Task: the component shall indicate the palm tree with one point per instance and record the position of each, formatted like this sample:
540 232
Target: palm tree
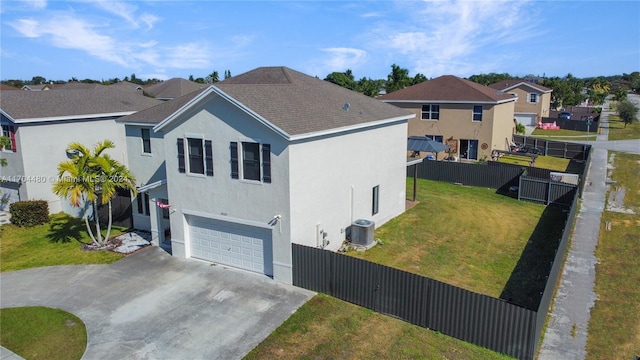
92 177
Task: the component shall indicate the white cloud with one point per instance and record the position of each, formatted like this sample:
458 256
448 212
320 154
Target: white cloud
149 20
72 33
188 56
120 9
446 37
342 58
35 4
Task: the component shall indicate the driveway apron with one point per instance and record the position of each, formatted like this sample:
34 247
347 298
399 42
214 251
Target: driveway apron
150 305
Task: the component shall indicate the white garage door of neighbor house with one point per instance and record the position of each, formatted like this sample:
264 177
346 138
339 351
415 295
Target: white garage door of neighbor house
227 243
526 119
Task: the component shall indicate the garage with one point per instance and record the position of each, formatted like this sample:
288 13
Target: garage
228 243
526 119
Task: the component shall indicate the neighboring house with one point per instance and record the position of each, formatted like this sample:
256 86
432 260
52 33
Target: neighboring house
146 158
471 118
42 124
41 87
172 89
269 158
533 103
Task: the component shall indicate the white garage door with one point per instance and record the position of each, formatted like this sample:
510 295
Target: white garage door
242 246
526 119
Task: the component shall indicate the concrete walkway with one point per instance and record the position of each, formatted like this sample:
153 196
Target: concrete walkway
566 334
151 305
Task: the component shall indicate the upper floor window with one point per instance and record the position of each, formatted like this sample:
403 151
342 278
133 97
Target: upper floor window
251 162
477 113
533 98
146 140
200 156
8 131
430 112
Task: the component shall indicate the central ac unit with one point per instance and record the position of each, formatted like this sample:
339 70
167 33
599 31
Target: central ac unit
362 232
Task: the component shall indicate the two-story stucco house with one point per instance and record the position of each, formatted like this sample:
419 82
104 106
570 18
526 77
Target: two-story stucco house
471 118
269 158
42 124
533 103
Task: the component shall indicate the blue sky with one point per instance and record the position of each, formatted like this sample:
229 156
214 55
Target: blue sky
164 39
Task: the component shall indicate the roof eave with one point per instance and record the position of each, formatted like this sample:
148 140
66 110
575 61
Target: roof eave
219 92
483 102
339 130
71 117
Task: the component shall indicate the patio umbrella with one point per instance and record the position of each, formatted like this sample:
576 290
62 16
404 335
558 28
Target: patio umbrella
423 143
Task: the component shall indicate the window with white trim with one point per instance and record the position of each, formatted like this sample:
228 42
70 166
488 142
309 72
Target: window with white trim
375 201
143 203
250 161
430 112
198 157
145 135
533 98
477 113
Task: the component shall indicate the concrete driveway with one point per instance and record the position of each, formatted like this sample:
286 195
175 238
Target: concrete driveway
153 306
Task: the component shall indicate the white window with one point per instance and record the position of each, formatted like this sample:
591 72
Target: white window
145 135
7 130
533 98
438 138
430 112
477 113
198 158
251 162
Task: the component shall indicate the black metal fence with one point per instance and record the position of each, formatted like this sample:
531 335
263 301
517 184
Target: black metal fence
479 319
120 209
561 149
577 125
546 191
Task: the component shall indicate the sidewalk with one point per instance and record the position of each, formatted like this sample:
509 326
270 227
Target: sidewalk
566 333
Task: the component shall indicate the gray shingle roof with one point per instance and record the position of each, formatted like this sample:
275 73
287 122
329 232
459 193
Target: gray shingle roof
172 88
69 103
159 112
301 104
448 88
512 83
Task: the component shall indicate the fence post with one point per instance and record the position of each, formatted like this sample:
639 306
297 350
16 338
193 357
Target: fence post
546 148
519 186
548 192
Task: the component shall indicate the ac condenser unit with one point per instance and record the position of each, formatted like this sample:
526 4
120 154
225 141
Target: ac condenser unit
362 232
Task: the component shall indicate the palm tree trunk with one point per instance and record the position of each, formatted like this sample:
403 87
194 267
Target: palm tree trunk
97 218
86 222
110 221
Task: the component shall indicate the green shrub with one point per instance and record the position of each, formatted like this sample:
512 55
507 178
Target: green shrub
29 213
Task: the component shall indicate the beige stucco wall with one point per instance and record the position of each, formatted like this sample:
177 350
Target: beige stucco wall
456 122
541 108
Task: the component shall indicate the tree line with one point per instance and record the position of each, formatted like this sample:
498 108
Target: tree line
567 90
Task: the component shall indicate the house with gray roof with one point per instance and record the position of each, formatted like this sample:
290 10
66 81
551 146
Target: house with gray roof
533 100
42 124
265 159
172 88
471 118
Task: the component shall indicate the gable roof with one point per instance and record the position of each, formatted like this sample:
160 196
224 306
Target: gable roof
448 89
506 85
103 101
297 105
172 88
159 112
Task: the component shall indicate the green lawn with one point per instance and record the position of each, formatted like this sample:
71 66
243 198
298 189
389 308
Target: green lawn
473 238
617 130
42 333
56 243
563 134
465 236
543 162
328 328
614 326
